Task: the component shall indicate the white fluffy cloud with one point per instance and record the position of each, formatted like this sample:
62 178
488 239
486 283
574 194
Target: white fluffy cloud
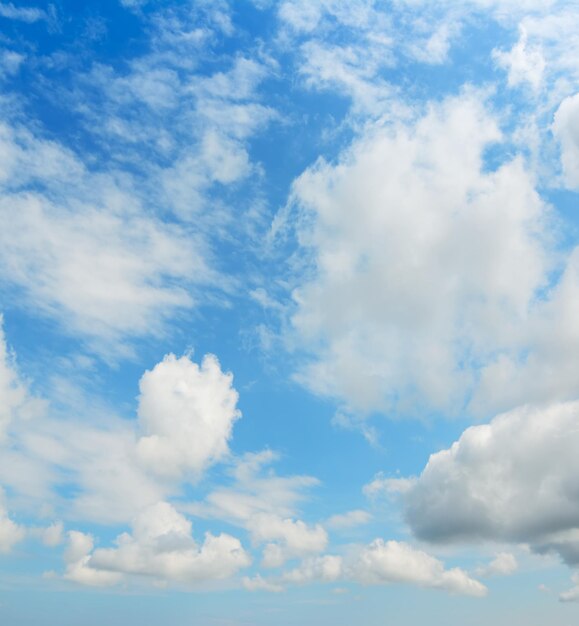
77 556
397 562
426 264
118 467
161 546
523 63
186 413
326 568
513 479
266 506
383 563
285 538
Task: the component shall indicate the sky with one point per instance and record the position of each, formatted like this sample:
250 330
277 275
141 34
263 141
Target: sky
289 294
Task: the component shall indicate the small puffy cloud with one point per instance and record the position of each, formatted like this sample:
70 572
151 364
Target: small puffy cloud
326 568
385 562
504 564
348 520
161 546
566 129
186 413
381 485
285 538
524 64
77 556
500 482
396 562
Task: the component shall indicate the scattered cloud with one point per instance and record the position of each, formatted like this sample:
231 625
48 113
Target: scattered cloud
397 562
425 265
161 546
10 532
498 482
24 14
186 413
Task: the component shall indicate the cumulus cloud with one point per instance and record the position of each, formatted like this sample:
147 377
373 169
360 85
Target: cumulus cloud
266 505
425 263
397 562
513 480
186 413
161 546
285 538
326 568
77 556
382 563
117 467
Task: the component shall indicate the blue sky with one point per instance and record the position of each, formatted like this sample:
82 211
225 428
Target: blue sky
289 300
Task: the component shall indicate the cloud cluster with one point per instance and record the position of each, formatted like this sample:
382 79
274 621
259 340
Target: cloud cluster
79 246
118 467
161 546
397 562
511 480
426 269
378 563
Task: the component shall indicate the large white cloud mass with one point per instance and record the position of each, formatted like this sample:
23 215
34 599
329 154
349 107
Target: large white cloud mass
514 480
425 264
